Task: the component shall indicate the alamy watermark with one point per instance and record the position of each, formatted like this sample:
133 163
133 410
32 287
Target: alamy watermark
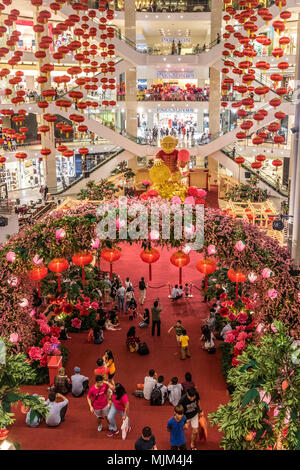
152 221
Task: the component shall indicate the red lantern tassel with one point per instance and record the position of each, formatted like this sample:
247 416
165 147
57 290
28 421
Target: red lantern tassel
205 283
111 272
59 283
180 276
236 290
83 276
150 272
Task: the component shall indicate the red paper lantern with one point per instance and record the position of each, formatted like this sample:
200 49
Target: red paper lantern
58 266
111 255
150 255
237 277
180 259
82 259
206 266
37 274
239 160
277 163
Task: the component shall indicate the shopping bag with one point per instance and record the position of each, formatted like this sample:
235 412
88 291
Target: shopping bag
202 428
124 428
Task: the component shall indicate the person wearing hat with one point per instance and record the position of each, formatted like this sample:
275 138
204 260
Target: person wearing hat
80 383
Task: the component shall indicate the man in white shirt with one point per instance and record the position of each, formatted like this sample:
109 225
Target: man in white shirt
121 295
149 383
57 410
175 295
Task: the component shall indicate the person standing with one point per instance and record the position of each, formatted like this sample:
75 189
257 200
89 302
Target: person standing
176 426
155 312
46 190
121 296
190 403
179 46
175 391
98 399
178 329
109 362
107 289
120 405
184 343
173 48
143 290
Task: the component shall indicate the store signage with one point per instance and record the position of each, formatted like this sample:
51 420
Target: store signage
173 110
177 75
176 40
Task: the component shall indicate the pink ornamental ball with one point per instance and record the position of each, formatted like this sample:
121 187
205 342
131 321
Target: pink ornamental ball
11 256
176 200
60 233
189 200
211 250
252 277
266 273
272 293
240 246
24 303
202 193
95 244
37 260
14 338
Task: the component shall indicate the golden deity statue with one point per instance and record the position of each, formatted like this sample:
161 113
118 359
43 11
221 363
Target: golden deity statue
165 173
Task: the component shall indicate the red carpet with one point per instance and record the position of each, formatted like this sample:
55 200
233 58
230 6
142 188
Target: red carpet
79 431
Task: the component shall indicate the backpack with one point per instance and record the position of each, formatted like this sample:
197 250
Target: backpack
156 396
143 349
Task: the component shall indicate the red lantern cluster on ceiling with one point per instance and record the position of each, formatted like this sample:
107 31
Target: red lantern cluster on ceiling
93 57
239 56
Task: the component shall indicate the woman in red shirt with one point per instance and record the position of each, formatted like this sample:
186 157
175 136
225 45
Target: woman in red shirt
120 405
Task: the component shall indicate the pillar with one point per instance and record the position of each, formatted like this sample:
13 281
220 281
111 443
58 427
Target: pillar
131 76
48 140
214 74
294 198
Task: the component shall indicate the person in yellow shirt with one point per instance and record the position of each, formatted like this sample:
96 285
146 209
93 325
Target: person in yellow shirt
184 343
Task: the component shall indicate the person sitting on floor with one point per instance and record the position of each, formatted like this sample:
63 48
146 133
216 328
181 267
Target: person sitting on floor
132 341
175 295
149 383
98 335
80 383
62 383
175 391
146 319
57 411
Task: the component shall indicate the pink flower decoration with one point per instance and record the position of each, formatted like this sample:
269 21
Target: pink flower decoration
266 273
230 337
211 250
252 277
14 337
60 233
37 260
193 191
232 316
54 340
76 323
24 303
189 200
242 317
176 200
186 249
44 328
10 256
264 396
95 244
272 293
240 246
47 347
202 193
146 183
242 336
94 305
35 353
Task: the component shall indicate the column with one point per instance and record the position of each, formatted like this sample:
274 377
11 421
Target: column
294 198
130 76
47 140
214 74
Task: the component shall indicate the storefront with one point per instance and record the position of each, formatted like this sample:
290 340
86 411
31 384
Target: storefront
23 174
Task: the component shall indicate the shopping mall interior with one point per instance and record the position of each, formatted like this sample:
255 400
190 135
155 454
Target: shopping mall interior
192 102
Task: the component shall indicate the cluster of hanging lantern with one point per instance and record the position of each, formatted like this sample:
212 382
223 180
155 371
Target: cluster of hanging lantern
240 65
93 57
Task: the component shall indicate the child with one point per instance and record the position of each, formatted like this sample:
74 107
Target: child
179 329
176 426
175 391
186 290
184 342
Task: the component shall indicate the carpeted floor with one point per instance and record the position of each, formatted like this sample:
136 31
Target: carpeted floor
79 431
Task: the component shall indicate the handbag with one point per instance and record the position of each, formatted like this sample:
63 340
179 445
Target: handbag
125 428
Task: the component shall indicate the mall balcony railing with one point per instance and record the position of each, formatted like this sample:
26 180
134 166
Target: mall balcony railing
162 6
273 183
